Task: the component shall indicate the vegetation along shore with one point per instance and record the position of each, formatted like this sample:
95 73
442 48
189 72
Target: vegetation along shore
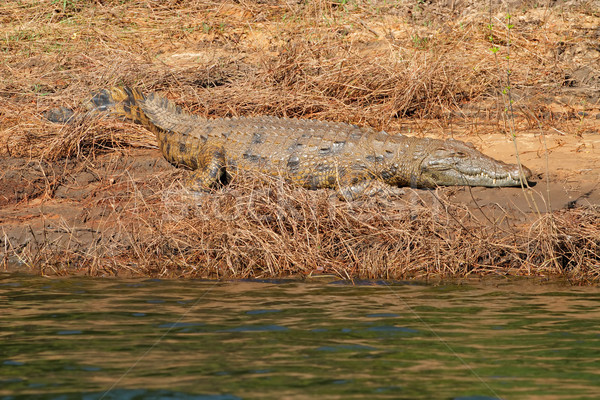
93 195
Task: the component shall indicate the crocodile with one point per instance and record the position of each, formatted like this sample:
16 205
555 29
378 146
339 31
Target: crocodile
309 153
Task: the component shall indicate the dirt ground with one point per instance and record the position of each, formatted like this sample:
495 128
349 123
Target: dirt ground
75 198
74 204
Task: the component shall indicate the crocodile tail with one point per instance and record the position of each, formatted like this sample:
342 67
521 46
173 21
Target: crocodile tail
121 101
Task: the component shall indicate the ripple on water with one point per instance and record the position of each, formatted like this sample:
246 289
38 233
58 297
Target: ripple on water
200 340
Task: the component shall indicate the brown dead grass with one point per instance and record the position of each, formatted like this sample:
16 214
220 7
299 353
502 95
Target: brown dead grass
259 227
387 65
373 63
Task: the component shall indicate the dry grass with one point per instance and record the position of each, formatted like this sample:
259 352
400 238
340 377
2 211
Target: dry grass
260 228
370 63
375 63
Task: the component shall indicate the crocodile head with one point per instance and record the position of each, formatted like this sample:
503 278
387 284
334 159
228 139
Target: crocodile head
455 163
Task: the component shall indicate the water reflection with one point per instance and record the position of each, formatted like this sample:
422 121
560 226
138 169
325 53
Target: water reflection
74 338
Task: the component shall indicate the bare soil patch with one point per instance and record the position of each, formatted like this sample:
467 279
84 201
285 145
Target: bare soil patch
97 198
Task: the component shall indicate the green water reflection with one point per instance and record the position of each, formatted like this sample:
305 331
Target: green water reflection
84 338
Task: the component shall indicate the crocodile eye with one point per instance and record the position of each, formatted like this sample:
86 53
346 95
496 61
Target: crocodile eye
459 154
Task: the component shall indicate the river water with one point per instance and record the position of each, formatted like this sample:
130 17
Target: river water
149 339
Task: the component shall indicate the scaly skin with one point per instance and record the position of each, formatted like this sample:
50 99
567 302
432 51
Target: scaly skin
312 154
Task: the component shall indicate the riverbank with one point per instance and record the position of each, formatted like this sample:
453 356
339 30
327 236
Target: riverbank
126 213
97 198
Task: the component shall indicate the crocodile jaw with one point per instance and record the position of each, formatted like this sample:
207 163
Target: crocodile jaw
459 164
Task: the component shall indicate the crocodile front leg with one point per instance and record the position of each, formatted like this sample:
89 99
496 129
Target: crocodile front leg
210 169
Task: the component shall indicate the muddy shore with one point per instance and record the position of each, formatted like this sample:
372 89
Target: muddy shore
82 214
97 198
